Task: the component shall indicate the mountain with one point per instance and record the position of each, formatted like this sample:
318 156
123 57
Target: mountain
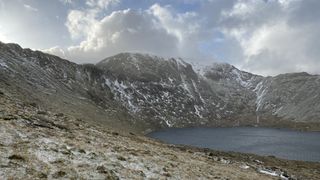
61 120
141 92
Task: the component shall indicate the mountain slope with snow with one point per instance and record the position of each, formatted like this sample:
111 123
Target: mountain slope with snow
141 92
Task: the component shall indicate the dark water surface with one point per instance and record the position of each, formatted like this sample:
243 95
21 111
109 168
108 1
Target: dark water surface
281 143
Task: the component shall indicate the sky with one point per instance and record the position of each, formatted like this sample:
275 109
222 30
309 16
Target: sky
266 37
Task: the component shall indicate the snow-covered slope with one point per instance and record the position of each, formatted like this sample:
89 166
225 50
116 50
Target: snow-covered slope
144 92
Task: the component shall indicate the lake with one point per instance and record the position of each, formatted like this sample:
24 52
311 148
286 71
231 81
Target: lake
282 143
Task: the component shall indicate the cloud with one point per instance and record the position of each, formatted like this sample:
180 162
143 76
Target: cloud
185 27
81 23
67 1
102 4
157 30
266 37
3 38
30 8
275 36
125 30
56 51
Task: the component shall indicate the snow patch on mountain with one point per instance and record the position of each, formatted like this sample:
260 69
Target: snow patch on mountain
199 68
240 79
181 62
261 91
197 111
120 90
3 64
198 92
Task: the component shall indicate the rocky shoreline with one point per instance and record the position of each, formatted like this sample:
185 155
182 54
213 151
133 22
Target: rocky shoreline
280 167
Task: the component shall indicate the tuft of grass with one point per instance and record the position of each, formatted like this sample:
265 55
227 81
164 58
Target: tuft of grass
121 158
16 157
59 174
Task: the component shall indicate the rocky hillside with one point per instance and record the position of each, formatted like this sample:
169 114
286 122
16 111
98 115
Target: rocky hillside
50 82
141 92
40 144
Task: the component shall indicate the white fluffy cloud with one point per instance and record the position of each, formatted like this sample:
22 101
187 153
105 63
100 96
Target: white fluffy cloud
81 23
157 30
125 30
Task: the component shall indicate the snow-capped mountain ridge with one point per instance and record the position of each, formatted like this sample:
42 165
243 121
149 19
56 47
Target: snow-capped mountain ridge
151 92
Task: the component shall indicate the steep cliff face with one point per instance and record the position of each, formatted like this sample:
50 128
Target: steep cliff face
143 92
290 96
174 95
165 92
